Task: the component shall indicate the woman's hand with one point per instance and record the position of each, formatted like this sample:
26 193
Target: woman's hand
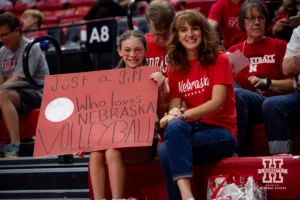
257 82
279 25
158 77
166 119
79 154
177 113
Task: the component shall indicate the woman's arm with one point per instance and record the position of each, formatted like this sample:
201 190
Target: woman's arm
282 86
288 66
175 103
219 95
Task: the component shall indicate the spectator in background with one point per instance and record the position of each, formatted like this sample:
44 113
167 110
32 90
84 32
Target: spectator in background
281 27
224 14
18 100
262 83
160 14
31 21
286 113
5 4
292 51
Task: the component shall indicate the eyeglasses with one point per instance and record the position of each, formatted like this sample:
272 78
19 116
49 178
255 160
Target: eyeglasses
161 35
5 35
253 19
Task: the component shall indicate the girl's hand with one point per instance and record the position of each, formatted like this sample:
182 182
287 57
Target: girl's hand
158 77
79 154
166 119
257 82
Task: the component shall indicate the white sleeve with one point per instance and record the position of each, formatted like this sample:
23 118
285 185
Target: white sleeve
294 45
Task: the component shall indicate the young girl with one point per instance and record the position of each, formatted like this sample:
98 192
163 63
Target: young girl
132 49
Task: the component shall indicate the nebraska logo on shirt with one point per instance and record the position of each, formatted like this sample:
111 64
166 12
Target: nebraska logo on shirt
233 22
195 87
8 66
159 61
254 61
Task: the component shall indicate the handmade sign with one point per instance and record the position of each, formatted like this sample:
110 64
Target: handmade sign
96 111
238 61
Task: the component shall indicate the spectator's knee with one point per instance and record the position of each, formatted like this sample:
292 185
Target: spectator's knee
112 154
271 105
174 127
238 92
3 97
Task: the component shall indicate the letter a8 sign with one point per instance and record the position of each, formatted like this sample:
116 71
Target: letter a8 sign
101 36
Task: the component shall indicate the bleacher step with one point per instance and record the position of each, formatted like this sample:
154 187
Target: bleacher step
29 178
41 194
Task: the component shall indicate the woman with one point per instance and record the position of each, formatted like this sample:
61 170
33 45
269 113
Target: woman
281 27
262 80
199 75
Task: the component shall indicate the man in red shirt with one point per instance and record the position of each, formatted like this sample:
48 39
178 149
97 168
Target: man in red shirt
160 15
224 14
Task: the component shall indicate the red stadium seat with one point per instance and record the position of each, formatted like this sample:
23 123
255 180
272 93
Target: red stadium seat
19 9
51 20
71 19
146 181
27 126
49 6
258 141
82 10
78 3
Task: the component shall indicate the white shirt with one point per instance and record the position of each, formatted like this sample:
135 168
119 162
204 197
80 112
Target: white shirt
294 45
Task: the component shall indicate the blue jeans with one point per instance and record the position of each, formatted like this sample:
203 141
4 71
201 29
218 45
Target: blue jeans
277 112
191 143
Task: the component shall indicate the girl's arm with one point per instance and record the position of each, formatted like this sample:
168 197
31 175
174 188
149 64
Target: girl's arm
163 99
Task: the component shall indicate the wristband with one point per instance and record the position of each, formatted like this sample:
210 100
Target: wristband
295 83
182 112
267 83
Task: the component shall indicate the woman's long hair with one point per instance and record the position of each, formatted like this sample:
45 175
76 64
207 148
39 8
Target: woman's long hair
208 49
125 36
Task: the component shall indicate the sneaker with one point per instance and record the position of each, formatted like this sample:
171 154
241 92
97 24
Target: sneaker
11 150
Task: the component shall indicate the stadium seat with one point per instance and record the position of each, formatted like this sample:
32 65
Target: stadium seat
49 6
146 181
78 3
51 21
27 124
258 141
19 9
